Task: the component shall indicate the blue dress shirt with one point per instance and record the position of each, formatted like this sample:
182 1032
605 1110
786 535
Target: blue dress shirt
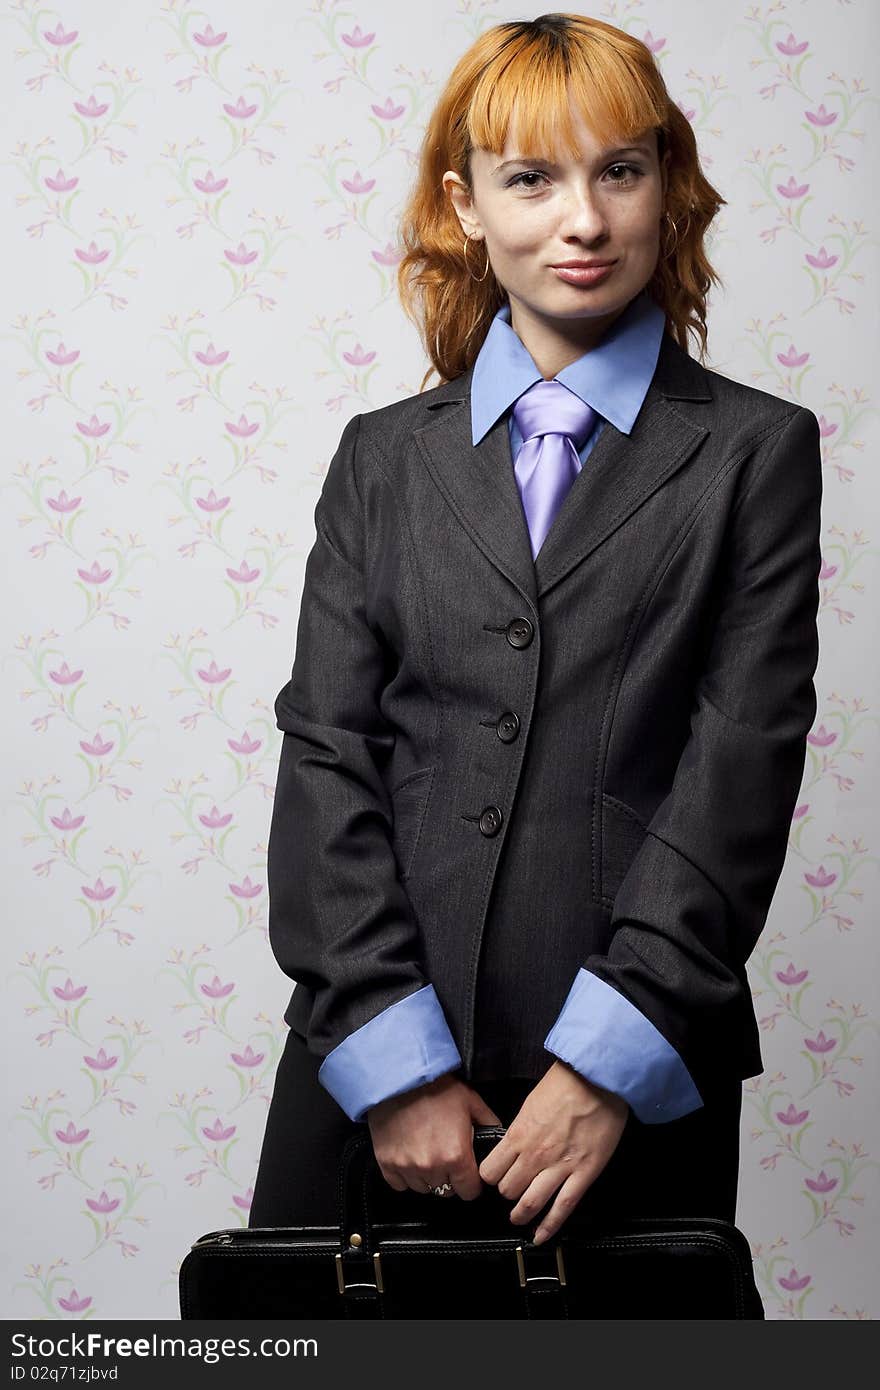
598 1031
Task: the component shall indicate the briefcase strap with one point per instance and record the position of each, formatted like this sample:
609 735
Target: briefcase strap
541 1273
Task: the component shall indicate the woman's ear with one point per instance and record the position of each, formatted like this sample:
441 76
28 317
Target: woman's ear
458 195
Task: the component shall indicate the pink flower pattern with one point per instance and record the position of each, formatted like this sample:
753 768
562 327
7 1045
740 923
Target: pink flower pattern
174 448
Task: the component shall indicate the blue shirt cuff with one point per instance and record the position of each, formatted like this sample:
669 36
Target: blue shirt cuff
406 1045
609 1041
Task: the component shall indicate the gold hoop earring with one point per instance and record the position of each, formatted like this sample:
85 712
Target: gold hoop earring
666 214
671 251
479 278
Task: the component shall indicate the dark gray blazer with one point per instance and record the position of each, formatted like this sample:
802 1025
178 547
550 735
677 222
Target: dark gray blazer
495 771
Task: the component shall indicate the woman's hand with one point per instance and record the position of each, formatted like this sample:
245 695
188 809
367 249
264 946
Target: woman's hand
563 1136
425 1136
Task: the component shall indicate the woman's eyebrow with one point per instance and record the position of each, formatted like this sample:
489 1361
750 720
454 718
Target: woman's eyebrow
604 154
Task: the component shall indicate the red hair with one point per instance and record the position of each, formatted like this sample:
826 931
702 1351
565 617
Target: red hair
539 67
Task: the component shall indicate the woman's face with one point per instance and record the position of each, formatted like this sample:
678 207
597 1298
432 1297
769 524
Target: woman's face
532 215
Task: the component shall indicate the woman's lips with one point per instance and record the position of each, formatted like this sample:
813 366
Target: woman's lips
576 276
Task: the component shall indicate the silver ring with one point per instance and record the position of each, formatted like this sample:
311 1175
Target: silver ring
443 1190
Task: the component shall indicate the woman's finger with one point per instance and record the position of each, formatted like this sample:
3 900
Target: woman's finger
567 1198
394 1180
524 1169
498 1160
537 1194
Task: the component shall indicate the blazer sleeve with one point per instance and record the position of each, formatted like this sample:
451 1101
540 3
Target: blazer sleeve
690 909
340 921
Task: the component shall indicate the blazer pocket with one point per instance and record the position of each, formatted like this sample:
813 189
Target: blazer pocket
623 832
409 800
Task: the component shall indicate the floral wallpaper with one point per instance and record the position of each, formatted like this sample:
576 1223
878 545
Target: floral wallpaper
200 225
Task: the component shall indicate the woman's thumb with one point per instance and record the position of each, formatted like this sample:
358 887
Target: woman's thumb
482 1113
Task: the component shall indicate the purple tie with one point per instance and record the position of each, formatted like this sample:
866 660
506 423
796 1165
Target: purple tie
554 424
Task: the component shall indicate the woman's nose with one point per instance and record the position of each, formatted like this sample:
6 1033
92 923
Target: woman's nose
583 215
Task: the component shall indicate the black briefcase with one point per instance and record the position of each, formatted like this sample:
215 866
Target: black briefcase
447 1258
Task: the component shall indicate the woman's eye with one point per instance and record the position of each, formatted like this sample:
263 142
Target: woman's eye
529 174
631 171
629 168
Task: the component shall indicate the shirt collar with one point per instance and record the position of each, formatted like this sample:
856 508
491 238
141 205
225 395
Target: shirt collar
613 377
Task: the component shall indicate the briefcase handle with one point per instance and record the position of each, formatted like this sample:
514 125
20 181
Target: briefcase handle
359 1174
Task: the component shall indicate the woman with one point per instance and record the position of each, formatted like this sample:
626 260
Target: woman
546 722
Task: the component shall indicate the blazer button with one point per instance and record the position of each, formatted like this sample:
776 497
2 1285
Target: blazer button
490 820
507 727
520 632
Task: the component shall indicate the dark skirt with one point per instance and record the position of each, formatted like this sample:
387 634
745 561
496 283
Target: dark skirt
685 1167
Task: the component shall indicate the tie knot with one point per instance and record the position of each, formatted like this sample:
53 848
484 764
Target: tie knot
548 407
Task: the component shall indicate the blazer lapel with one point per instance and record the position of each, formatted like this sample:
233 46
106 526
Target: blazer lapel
620 473
478 482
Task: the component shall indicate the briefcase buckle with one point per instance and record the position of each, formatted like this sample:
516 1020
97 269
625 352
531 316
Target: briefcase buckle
524 1279
378 1287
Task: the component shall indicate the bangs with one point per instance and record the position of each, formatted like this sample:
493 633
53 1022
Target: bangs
532 91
